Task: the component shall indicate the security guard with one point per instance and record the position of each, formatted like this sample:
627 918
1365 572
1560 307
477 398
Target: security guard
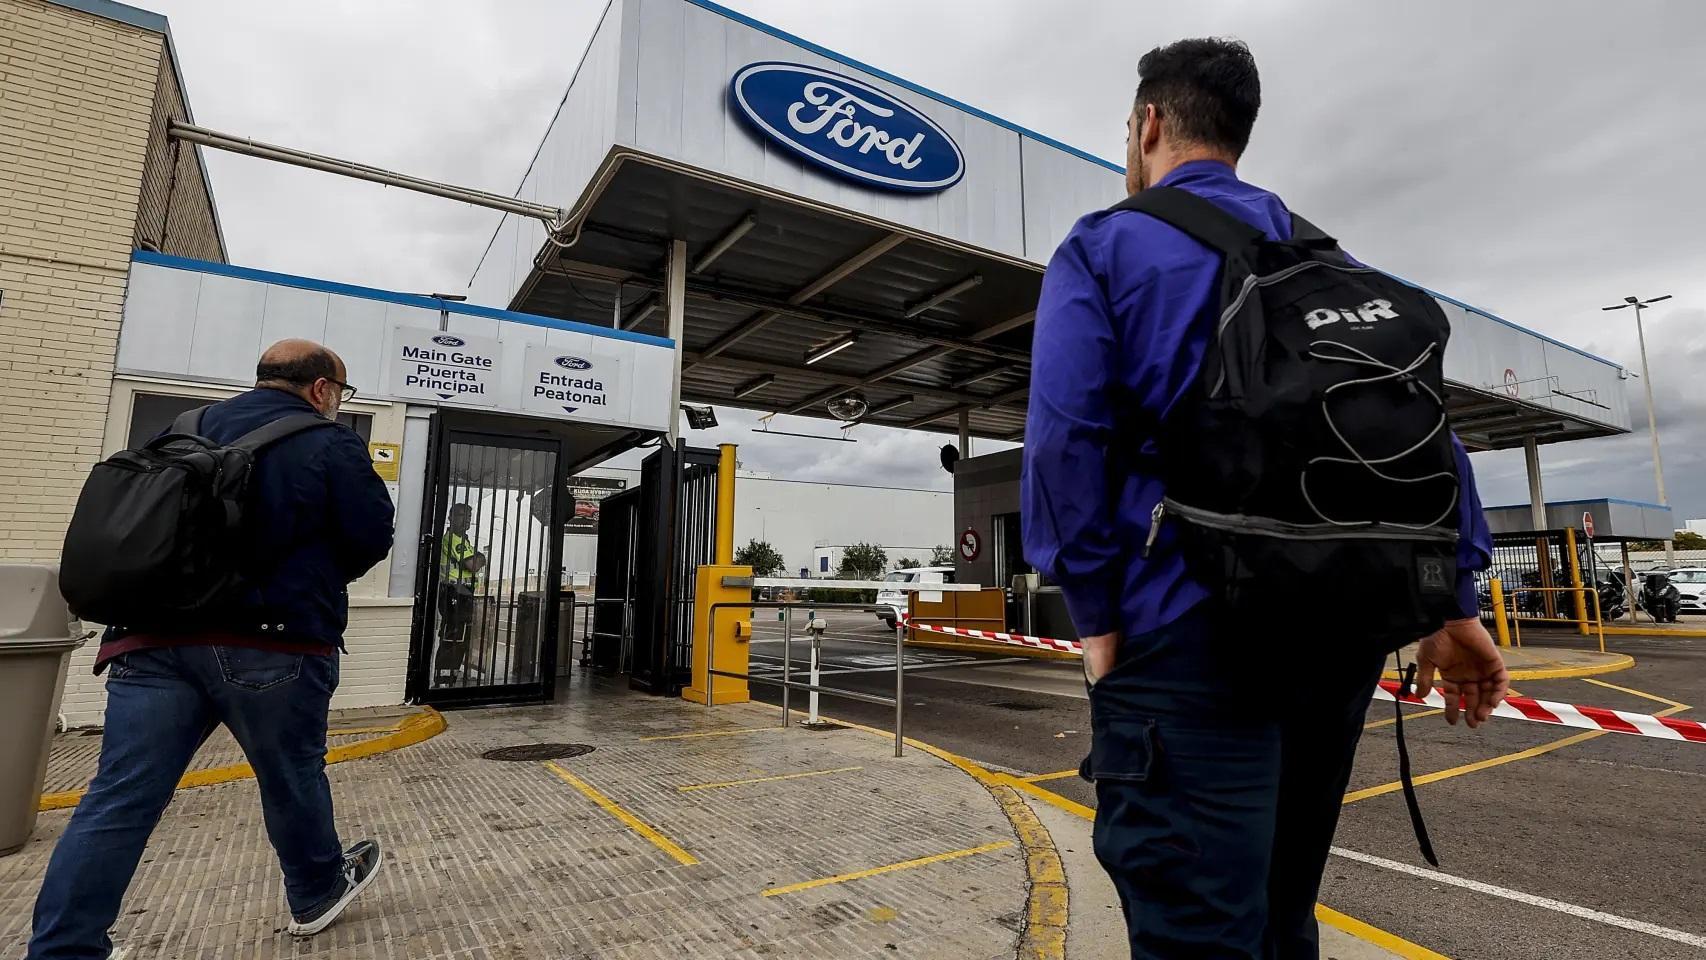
459 566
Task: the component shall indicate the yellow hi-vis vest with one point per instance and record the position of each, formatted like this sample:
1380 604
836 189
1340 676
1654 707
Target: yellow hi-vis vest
452 551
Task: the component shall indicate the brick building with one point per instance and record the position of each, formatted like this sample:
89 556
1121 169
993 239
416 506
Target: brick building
87 175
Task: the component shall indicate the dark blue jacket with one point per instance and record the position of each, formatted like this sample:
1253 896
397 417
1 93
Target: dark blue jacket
1122 324
318 518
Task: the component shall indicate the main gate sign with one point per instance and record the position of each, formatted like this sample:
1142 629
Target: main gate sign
446 367
847 127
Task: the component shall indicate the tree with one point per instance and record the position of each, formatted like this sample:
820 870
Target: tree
1684 540
942 555
863 561
761 557
908 563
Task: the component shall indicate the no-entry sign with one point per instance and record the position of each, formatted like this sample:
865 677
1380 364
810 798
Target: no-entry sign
1587 524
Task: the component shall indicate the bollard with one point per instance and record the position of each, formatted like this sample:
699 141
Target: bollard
786 615
816 628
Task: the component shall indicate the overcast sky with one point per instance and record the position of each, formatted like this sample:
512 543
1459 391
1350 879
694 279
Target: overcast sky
1538 159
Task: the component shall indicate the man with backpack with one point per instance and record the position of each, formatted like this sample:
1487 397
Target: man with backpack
1239 473
219 554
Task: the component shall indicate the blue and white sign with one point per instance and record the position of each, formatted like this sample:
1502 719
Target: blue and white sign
847 127
443 367
580 383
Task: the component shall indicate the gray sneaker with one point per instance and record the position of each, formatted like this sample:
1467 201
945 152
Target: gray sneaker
361 865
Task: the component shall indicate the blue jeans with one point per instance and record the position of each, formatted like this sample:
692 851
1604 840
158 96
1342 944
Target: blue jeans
1220 763
161 706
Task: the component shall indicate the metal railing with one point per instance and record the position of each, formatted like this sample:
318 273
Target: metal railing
1507 603
787 683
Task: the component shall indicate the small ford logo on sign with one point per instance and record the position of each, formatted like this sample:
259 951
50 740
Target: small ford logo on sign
446 340
847 127
574 363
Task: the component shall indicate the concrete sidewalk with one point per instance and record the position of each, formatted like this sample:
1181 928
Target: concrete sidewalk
684 832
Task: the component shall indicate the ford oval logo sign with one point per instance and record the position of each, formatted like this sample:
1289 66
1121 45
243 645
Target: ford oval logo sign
574 363
446 340
847 127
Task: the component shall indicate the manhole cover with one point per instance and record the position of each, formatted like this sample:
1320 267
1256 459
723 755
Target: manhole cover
539 751
1016 705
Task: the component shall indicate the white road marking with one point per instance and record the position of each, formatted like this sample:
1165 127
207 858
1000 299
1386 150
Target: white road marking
1557 906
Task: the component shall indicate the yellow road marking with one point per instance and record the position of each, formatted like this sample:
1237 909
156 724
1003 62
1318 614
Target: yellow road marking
1500 761
1375 935
785 776
890 868
425 725
709 733
1637 693
1040 942
1057 775
1408 716
634 823
1049 797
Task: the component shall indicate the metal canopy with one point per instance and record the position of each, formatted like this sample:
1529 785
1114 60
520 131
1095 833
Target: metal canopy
936 328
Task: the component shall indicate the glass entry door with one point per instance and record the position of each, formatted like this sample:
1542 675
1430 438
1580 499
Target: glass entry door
491 558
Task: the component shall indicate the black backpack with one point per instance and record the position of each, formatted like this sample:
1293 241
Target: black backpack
1309 467
156 541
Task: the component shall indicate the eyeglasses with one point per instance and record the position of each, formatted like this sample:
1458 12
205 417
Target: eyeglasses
346 393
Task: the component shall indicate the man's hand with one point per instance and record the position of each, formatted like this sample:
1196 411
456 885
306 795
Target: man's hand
1100 653
1470 669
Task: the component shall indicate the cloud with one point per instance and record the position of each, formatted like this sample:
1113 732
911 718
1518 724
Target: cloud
1533 157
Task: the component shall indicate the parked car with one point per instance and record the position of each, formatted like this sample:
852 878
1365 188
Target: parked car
1691 587
891 604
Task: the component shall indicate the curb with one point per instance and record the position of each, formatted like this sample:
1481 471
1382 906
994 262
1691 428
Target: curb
1046 899
415 728
1620 661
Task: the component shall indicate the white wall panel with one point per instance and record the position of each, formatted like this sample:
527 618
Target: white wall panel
228 314
355 330
291 312
227 336
159 319
1058 189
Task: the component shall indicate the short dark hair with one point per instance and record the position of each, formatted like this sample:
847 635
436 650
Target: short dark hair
1206 88
301 370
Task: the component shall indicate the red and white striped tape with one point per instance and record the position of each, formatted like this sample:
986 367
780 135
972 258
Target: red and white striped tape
1571 715
1042 643
1516 708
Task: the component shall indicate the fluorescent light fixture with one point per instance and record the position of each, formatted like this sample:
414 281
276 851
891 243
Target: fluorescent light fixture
943 295
978 377
754 385
722 246
830 349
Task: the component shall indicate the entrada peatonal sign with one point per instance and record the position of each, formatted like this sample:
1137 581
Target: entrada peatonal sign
584 383
847 127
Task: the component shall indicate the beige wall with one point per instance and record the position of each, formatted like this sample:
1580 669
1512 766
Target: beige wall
76 97
176 213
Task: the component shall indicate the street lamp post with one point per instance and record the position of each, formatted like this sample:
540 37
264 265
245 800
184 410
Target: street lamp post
1652 419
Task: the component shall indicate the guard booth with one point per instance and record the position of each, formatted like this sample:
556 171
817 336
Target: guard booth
1539 565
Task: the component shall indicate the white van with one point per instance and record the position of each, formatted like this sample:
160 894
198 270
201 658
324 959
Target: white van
891 604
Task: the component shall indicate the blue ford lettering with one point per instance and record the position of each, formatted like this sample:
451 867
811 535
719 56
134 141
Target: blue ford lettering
574 363
847 127
446 340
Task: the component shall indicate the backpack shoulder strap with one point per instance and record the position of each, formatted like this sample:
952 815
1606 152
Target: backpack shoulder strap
270 433
1306 234
1199 218
188 422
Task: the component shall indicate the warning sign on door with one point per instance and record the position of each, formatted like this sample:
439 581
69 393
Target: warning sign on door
387 459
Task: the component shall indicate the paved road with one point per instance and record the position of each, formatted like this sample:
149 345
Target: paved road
1586 847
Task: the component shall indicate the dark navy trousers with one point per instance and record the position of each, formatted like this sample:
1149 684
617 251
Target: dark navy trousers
1220 760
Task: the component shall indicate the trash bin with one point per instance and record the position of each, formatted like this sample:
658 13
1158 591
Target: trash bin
37 636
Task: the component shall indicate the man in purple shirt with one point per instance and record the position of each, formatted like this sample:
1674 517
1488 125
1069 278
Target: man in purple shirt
1219 760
